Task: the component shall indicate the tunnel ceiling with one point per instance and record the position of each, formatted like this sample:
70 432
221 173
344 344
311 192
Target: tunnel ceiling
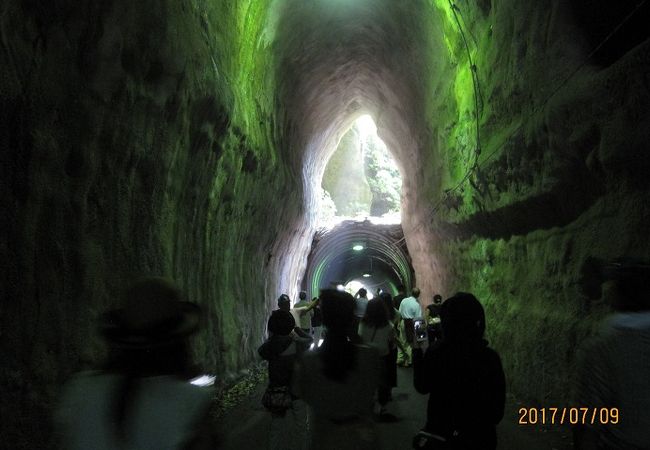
339 59
333 259
186 139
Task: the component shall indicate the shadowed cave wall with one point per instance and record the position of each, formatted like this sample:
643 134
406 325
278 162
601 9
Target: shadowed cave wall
188 140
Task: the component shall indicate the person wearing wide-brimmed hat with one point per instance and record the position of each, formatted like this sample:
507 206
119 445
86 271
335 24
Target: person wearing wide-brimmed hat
142 397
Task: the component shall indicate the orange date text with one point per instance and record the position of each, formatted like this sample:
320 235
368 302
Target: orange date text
568 415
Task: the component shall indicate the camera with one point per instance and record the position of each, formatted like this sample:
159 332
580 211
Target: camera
420 328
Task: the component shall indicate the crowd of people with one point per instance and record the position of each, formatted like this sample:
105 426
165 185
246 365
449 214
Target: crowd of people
332 365
335 395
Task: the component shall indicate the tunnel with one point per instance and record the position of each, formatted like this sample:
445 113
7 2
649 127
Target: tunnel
372 254
189 139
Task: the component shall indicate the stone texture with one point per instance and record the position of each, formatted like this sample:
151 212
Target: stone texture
188 139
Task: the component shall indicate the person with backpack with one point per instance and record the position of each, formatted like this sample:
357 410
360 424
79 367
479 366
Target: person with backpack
281 350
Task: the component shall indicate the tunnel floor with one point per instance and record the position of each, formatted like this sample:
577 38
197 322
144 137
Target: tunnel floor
247 424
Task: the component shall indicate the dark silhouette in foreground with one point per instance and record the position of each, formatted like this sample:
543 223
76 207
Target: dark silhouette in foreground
142 397
464 379
613 369
338 381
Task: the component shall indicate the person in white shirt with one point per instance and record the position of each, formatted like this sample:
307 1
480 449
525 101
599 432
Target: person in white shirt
410 310
284 304
305 319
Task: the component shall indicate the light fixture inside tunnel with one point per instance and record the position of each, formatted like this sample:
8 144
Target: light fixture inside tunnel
358 247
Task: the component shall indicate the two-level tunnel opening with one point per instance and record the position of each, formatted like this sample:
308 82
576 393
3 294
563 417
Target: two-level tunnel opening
382 62
358 240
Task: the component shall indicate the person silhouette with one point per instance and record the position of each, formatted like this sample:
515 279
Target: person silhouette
464 378
142 397
613 367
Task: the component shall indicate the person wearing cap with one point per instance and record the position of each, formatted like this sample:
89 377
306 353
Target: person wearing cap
464 379
289 419
284 304
142 397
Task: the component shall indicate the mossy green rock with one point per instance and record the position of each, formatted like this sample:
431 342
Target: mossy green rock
188 139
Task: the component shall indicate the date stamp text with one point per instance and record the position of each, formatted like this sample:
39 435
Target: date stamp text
568 415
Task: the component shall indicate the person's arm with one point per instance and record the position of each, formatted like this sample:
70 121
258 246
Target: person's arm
265 351
300 336
312 305
301 310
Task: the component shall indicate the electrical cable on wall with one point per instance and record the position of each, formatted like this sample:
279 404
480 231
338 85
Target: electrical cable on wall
534 110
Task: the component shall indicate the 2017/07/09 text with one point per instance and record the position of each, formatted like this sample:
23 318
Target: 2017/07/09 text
569 415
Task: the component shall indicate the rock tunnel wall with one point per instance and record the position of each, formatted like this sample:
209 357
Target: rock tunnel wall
561 176
186 139
137 138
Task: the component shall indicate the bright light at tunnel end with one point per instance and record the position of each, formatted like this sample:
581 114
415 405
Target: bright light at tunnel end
366 125
203 380
357 247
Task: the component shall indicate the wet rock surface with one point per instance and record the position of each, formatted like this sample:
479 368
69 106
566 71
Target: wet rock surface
188 140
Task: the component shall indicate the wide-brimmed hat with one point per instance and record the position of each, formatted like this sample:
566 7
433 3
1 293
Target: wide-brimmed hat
153 314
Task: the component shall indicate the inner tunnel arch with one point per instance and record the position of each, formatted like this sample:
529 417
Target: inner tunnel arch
382 254
372 65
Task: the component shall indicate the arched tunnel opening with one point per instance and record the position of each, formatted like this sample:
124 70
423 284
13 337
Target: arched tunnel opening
190 140
361 178
372 255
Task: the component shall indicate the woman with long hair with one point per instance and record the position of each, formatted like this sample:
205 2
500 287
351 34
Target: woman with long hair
376 330
339 379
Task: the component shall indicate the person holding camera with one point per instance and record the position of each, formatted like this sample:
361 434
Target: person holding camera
464 379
